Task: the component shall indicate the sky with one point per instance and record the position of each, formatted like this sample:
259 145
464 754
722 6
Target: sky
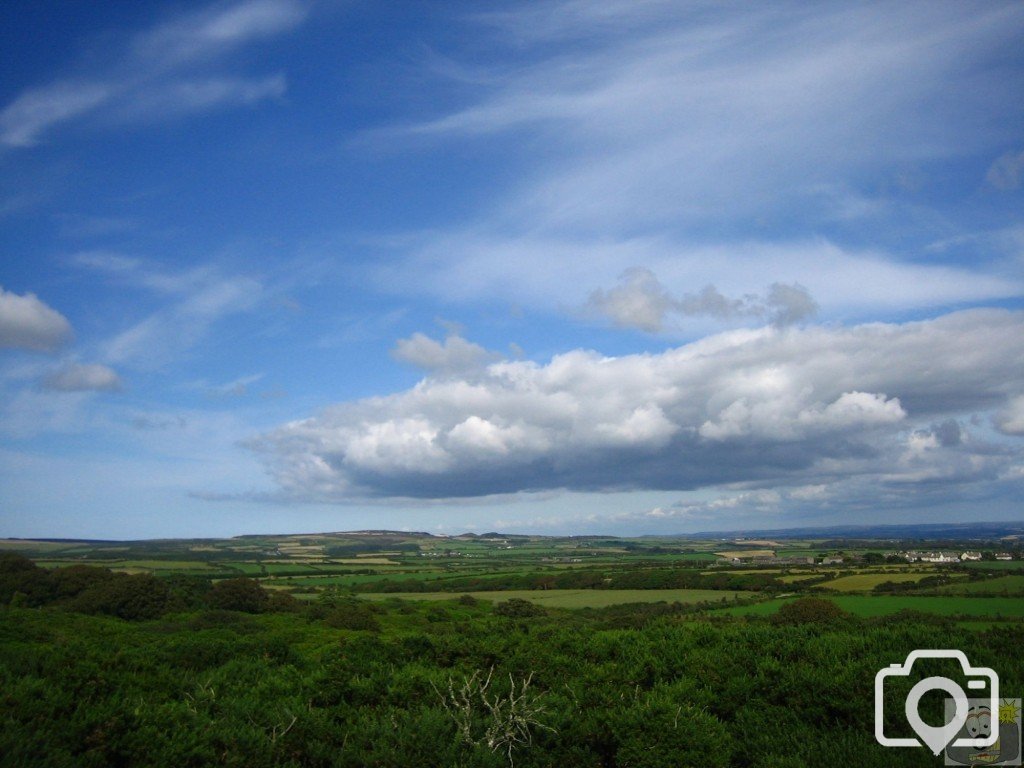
579 266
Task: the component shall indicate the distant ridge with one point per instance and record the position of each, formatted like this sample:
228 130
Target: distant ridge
897 531
903 531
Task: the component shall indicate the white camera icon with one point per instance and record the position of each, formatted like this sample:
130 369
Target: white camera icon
937 738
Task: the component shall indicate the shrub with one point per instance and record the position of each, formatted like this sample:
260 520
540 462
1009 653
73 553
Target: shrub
809 610
282 602
21 578
517 608
239 594
142 596
352 614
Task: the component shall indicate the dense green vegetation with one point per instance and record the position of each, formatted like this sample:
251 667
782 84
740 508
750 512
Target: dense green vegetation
624 657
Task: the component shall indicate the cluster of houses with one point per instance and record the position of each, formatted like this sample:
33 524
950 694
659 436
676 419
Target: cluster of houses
773 560
913 556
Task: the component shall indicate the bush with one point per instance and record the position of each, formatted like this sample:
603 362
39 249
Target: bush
809 610
128 597
352 615
517 608
282 602
240 594
22 579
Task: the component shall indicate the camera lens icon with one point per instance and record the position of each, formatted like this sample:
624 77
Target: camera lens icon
981 680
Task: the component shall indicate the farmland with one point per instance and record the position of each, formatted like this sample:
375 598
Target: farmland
354 649
1011 609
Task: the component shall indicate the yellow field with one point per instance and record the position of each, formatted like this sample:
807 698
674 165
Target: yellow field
746 553
760 543
795 577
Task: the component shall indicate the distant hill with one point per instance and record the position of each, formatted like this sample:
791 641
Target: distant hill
983 530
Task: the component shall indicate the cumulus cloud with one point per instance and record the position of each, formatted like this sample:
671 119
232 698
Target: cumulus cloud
798 406
83 378
1010 420
28 323
641 301
454 355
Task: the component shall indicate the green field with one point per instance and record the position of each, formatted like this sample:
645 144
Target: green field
1009 583
997 565
576 598
884 605
793 578
865 582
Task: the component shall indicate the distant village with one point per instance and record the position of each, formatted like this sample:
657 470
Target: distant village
910 556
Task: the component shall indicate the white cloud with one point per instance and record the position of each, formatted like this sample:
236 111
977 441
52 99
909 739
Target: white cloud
239 387
28 323
1007 171
30 114
454 355
79 377
187 96
781 406
170 331
1010 419
136 272
216 30
154 76
710 147
641 301
668 115
561 273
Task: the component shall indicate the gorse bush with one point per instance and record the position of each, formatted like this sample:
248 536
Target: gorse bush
222 687
809 610
241 594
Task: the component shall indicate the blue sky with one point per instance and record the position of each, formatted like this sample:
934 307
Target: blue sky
560 267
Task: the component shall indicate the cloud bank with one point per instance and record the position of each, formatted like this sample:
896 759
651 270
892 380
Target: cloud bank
782 406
